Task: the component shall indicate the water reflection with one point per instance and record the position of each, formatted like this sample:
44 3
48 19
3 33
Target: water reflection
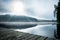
43 30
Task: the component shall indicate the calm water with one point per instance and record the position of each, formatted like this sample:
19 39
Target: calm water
47 29
43 30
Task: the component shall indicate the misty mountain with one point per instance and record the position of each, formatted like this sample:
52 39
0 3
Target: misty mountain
9 18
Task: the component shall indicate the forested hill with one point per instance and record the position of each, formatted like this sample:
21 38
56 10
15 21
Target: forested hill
9 18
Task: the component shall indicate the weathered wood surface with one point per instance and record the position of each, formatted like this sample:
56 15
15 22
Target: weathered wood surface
15 35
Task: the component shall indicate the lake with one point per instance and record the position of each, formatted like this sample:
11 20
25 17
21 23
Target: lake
42 30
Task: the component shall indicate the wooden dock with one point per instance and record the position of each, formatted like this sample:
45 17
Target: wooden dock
6 34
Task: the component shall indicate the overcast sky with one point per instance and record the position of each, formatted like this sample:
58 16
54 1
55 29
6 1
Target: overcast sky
37 8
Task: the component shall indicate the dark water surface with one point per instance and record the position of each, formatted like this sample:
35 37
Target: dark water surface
42 28
46 30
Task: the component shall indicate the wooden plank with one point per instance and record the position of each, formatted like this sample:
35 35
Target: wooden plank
23 36
31 36
35 38
42 38
49 39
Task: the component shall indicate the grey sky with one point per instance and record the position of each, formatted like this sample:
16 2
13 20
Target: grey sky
37 8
